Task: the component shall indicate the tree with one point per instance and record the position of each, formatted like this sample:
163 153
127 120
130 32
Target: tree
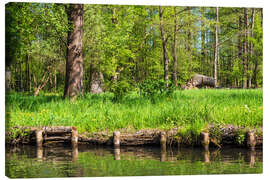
164 46
74 61
216 49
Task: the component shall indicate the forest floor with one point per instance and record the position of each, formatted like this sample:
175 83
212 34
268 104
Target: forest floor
192 109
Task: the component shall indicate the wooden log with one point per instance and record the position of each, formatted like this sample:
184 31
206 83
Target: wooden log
116 139
74 137
58 129
199 80
58 138
39 137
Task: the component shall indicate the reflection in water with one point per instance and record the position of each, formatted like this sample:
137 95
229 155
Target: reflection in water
39 153
75 153
206 156
117 154
163 153
86 161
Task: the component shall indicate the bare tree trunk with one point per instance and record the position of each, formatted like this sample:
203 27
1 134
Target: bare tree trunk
189 34
216 49
43 82
251 44
175 49
55 80
203 51
74 61
240 54
245 61
164 47
97 80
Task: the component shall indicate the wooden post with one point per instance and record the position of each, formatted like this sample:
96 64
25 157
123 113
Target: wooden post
163 141
251 140
117 154
74 137
39 137
163 150
116 139
205 140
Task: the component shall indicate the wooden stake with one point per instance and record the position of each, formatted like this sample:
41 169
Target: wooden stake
251 140
163 140
116 139
205 140
74 137
39 138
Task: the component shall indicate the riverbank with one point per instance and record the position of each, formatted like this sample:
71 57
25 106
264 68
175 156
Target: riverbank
217 136
194 110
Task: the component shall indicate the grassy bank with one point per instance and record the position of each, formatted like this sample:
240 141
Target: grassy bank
192 109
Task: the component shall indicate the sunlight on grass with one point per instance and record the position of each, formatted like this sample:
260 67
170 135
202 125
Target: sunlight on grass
188 108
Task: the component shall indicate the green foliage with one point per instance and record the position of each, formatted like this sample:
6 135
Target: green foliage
151 88
120 89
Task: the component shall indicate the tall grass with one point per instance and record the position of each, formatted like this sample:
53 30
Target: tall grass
193 109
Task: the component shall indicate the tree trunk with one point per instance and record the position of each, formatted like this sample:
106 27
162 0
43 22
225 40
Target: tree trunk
97 81
245 61
216 49
189 39
240 42
164 47
55 80
251 44
175 49
43 82
74 59
203 50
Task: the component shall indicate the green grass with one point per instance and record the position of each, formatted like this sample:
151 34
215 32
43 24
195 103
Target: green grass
192 109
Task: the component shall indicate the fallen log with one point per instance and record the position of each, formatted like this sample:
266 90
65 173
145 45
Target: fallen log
198 81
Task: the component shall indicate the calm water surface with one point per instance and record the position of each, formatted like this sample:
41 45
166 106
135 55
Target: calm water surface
87 161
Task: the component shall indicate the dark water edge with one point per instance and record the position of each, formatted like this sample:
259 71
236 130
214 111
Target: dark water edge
95 161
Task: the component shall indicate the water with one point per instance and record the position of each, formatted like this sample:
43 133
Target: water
89 161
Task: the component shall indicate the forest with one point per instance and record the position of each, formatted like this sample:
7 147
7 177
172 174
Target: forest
118 48
111 67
